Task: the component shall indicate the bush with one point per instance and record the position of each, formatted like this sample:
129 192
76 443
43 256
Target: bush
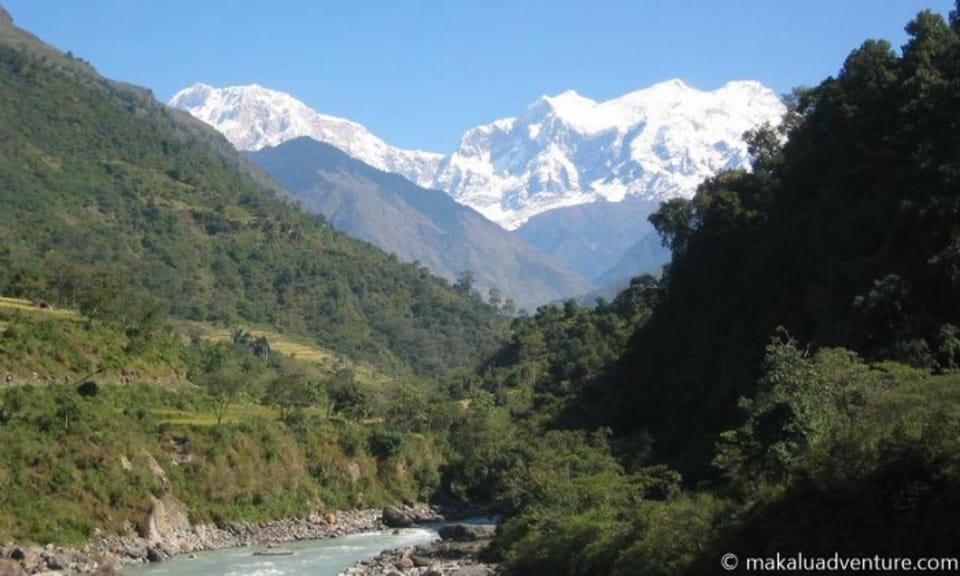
351 438
385 443
88 389
670 536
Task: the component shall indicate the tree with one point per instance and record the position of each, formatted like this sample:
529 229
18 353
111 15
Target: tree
794 408
346 396
637 301
290 392
674 221
509 307
28 282
407 408
385 443
222 377
103 296
764 146
465 282
494 297
261 348
224 386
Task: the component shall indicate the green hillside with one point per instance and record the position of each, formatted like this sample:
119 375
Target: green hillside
172 324
789 386
100 184
239 427
844 236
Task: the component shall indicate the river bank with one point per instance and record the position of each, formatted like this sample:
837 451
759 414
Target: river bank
461 551
169 533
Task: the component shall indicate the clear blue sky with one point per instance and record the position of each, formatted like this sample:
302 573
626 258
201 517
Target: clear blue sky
418 72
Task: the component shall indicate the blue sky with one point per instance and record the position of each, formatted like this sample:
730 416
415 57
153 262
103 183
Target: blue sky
420 72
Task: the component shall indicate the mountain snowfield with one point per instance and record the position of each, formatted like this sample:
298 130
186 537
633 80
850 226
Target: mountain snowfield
253 117
564 150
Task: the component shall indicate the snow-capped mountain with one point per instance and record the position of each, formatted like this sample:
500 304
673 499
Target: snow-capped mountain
563 150
253 117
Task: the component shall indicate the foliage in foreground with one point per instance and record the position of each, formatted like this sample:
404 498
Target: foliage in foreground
837 435
74 463
833 455
240 433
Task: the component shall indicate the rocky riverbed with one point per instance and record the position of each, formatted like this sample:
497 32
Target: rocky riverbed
460 552
169 533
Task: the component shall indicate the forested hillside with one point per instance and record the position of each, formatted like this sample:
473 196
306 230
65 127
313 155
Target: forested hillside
98 421
99 183
789 385
151 261
845 236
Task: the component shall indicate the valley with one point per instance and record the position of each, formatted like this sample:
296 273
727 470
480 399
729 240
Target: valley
251 322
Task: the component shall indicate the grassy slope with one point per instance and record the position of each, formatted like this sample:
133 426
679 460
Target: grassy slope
325 361
321 362
76 356
72 464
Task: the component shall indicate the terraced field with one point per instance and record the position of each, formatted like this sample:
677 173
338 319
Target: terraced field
325 361
19 304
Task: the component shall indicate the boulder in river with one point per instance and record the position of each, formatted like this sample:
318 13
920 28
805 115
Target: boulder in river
467 532
395 518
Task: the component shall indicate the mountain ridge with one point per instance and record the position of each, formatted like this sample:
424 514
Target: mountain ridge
253 117
417 224
651 144
103 186
593 238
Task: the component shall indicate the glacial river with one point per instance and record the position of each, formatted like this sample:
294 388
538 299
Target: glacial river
312 557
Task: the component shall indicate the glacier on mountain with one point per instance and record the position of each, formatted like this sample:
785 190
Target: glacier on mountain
253 117
651 145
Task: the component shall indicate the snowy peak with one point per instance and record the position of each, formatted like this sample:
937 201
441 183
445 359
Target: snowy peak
570 108
253 117
651 144
193 97
565 103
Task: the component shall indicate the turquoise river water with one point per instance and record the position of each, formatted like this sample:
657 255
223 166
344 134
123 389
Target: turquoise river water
312 557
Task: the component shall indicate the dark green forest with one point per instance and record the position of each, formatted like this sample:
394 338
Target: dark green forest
790 384
844 236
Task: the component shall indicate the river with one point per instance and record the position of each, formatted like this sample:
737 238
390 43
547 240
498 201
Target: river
312 557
